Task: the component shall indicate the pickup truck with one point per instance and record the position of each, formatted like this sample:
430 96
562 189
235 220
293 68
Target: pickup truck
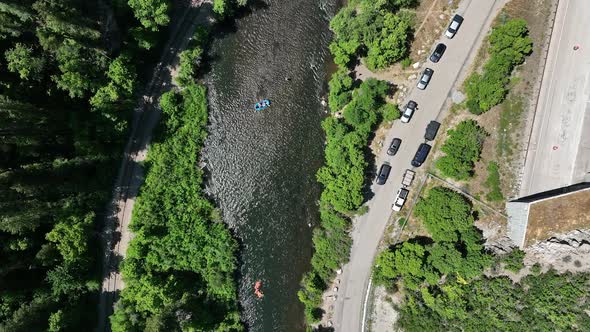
431 130
400 199
408 178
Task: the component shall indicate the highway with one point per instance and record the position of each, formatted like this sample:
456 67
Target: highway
368 229
559 148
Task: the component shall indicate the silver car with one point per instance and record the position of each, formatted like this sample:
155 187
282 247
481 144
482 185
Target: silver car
425 78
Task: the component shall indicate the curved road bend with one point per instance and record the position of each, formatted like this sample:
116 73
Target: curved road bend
368 229
116 234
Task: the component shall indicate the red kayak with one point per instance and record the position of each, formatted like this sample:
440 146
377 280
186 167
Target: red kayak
257 291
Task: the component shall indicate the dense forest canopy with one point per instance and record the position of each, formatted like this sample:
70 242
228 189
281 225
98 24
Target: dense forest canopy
64 102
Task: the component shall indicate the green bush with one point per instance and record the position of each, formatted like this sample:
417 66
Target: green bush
514 260
509 44
462 149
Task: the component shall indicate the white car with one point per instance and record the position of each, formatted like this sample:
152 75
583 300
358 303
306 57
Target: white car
454 26
409 111
400 199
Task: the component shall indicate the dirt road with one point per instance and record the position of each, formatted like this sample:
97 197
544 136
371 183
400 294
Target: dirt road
559 148
116 234
369 228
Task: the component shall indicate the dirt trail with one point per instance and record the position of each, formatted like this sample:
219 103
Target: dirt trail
116 234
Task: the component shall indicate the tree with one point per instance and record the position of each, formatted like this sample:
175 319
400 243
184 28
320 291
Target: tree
445 213
462 148
151 13
340 90
391 43
21 60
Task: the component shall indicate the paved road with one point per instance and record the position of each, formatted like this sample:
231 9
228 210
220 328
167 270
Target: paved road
369 228
559 149
116 234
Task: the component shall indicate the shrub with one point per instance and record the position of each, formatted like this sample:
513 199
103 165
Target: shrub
514 261
462 148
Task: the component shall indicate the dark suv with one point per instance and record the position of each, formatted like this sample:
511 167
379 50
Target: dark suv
395 143
438 52
383 174
421 155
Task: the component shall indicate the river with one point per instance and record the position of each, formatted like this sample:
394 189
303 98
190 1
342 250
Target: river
262 165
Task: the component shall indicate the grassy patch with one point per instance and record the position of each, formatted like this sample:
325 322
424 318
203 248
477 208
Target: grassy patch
512 110
493 183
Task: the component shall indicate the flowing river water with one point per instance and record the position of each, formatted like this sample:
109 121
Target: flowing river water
262 164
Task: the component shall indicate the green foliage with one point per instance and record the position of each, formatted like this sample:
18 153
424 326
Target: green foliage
375 32
180 259
58 157
340 90
509 44
462 148
343 175
456 253
390 112
343 179
225 7
514 260
390 42
21 60
493 182
151 13
445 213
538 303
190 59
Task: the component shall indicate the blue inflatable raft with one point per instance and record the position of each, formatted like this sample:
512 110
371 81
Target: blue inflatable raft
263 104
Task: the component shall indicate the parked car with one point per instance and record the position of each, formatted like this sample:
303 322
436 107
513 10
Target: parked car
431 130
425 78
394 146
454 26
421 155
438 52
400 199
409 111
383 174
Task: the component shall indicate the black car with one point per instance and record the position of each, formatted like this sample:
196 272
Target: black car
383 174
421 155
431 130
395 143
438 52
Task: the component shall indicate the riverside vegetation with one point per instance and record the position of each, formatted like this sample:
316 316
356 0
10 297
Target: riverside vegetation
380 33
66 92
180 266
446 284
